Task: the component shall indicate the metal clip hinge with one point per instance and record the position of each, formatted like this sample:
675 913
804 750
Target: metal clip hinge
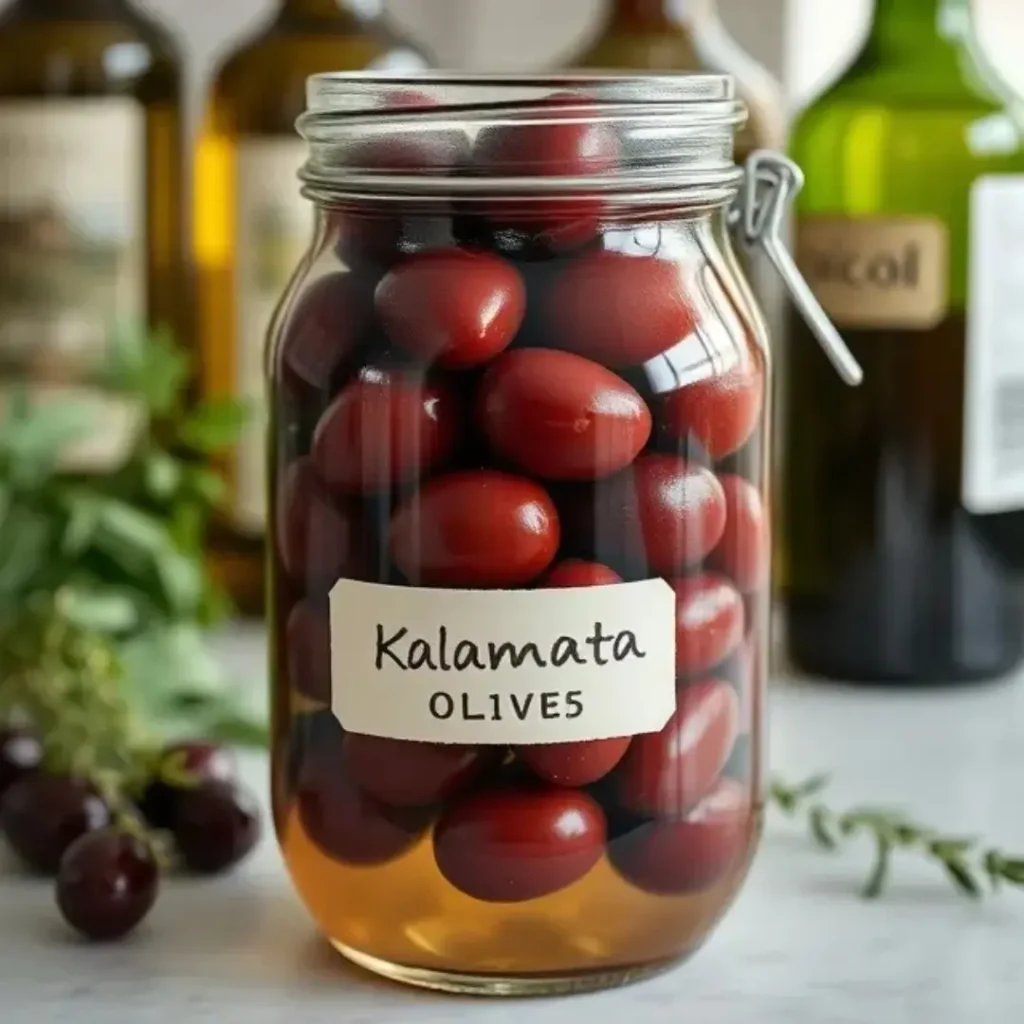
758 215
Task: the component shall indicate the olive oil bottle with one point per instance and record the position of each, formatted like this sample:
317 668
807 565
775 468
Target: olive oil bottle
91 239
688 35
251 226
902 509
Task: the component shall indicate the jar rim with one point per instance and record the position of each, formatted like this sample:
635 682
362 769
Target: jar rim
386 137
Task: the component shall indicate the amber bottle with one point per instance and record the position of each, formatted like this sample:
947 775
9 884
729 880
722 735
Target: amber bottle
252 224
91 232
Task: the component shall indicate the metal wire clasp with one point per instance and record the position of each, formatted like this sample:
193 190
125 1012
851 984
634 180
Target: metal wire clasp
758 215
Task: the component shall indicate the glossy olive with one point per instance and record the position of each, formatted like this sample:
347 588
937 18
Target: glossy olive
658 517
574 572
21 753
619 309
455 308
709 622
182 766
323 327
668 772
308 639
744 553
475 529
574 764
558 141
216 825
560 416
721 413
387 427
670 857
344 822
407 774
320 537
519 843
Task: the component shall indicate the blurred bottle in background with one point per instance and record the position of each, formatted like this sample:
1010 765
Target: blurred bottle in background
688 35
903 532
252 225
91 233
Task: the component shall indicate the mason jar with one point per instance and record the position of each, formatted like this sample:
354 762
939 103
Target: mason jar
519 449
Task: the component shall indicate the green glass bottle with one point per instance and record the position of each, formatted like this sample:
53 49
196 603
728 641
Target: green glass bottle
903 539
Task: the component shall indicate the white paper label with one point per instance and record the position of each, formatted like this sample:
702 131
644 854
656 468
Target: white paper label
72 254
993 454
275 225
525 666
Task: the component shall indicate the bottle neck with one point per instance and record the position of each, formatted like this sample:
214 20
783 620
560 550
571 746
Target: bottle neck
346 11
649 15
932 31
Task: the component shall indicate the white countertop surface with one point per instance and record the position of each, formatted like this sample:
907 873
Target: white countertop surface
799 947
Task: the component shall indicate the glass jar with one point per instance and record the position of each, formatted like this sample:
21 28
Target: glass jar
520 556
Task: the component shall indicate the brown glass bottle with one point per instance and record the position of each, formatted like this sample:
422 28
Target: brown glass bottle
252 225
91 236
903 498
687 35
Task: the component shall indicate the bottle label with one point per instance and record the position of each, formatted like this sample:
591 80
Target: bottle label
993 454
274 228
72 257
528 666
877 272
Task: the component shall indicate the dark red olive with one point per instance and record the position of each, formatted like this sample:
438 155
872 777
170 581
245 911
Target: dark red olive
721 413
574 572
618 309
42 815
670 857
744 553
516 844
668 772
387 427
322 328
452 307
574 764
21 753
406 774
182 766
560 416
308 637
344 822
709 622
107 884
476 529
216 825
562 138
661 515
320 537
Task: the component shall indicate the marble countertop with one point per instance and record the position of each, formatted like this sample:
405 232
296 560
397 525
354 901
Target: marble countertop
799 947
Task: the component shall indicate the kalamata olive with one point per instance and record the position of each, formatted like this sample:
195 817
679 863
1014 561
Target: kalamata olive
452 307
519 843
659 516
181 766
619 310
744 551
574 764
308 636
320 537
407 774
21 753
477 528
721 413
345 823
574 572
709 622
561 138
323 327
666 773
669 857
560 416
387 427
216 826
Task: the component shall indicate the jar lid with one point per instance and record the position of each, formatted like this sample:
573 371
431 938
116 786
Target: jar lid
635 140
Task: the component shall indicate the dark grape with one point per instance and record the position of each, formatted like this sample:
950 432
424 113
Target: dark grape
183 766
216 825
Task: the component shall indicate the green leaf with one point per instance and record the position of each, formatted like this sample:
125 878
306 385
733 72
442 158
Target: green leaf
33 434
821 829
207 485
26 540
811 787
100 608
1012 870
962 878
182 579
148 365
994 868
163 475
239 731
83 519
213 426
875 884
